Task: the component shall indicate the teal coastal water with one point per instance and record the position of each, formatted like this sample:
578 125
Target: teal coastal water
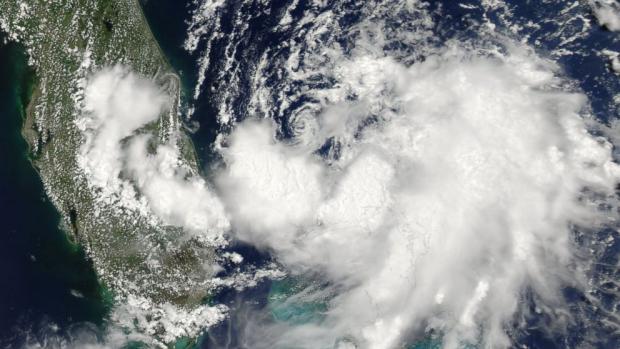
289 302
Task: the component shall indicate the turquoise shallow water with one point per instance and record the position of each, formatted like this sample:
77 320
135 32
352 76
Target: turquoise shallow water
278 301
42 273
48 287
286 302
51 289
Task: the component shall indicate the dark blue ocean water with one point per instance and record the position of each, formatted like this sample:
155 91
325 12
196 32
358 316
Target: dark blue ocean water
49 286
588 69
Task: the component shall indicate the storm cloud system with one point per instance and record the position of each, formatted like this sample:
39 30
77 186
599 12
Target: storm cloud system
310 174
459 195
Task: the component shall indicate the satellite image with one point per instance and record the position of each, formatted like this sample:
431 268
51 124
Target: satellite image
310 174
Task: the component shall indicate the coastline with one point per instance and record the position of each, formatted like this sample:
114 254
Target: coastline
54 283
110 33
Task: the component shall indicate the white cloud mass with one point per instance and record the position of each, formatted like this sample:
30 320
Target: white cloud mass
440 212
445 210
607 12
119 165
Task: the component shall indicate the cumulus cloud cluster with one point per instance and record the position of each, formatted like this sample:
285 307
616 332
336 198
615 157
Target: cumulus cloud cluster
607 12
116 103
136 171
456 189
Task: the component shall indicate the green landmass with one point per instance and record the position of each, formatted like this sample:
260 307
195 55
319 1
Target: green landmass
67 40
